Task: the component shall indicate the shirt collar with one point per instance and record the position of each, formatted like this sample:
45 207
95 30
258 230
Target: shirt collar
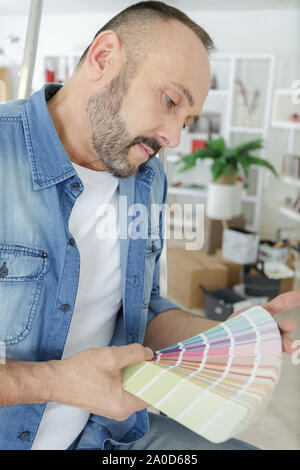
49 161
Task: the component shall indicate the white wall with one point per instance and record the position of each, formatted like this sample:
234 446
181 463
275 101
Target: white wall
276 31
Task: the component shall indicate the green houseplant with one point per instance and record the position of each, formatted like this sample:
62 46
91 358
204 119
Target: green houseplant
226 161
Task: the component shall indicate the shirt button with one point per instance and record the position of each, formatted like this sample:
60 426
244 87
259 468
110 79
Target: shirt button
3 270
25 435
65 307
75 186
44 255
72 241
153 247
135 281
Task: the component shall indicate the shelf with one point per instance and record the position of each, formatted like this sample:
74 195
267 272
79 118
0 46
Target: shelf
203 193
187 192
291 213
175 158
290 180
286 125
284 91
172 158
213 92
249 198
246 130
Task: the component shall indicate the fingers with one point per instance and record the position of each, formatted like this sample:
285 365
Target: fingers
286 325
283 302
287 344
121 356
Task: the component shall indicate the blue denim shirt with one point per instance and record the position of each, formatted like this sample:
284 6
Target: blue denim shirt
39 262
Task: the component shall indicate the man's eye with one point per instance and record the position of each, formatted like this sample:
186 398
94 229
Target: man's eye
170 103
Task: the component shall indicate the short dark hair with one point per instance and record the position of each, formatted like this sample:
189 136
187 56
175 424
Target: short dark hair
137 18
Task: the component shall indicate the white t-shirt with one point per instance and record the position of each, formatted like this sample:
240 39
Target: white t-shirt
98 298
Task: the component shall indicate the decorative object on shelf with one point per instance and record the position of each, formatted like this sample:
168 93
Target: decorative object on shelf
207 122
250 107
296 204
213 83
198 144
218 382
178 184
224 198
294 117
291 165
50 72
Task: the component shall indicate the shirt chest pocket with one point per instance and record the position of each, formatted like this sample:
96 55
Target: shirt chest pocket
22 270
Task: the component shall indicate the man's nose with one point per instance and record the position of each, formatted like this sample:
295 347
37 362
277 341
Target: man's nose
170 135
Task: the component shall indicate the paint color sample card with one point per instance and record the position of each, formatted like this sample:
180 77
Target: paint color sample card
217 382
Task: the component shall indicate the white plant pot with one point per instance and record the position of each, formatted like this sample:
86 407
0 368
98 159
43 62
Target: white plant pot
224 201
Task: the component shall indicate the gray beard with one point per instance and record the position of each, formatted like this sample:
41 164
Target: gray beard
110 138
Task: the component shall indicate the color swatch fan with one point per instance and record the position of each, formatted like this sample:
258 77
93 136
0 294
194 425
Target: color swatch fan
217 382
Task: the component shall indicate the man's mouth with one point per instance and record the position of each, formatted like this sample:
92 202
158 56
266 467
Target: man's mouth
146 151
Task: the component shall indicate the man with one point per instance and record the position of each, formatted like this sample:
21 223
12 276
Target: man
74 305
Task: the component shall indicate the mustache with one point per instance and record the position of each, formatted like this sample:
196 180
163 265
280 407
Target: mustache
149 141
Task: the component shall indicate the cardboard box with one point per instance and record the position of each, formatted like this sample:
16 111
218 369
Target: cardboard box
287 285
213 232
189 268
240 246
234 269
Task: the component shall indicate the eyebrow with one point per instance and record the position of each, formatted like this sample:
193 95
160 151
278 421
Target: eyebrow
185 91
188 96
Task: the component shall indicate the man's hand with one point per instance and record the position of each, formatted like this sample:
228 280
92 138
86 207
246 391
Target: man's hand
280 304
92 380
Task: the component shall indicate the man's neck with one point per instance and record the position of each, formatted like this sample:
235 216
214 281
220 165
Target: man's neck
67 114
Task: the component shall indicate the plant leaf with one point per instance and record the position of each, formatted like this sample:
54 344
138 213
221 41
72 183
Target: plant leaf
217 168
217 144
248 146
252 160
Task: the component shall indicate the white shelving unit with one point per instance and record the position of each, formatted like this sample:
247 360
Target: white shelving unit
282 109
63 64
290 213
291 181
227 68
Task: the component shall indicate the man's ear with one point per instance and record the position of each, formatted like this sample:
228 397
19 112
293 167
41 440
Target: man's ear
104 52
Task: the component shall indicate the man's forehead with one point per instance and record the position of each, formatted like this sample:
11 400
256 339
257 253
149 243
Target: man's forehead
184 59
